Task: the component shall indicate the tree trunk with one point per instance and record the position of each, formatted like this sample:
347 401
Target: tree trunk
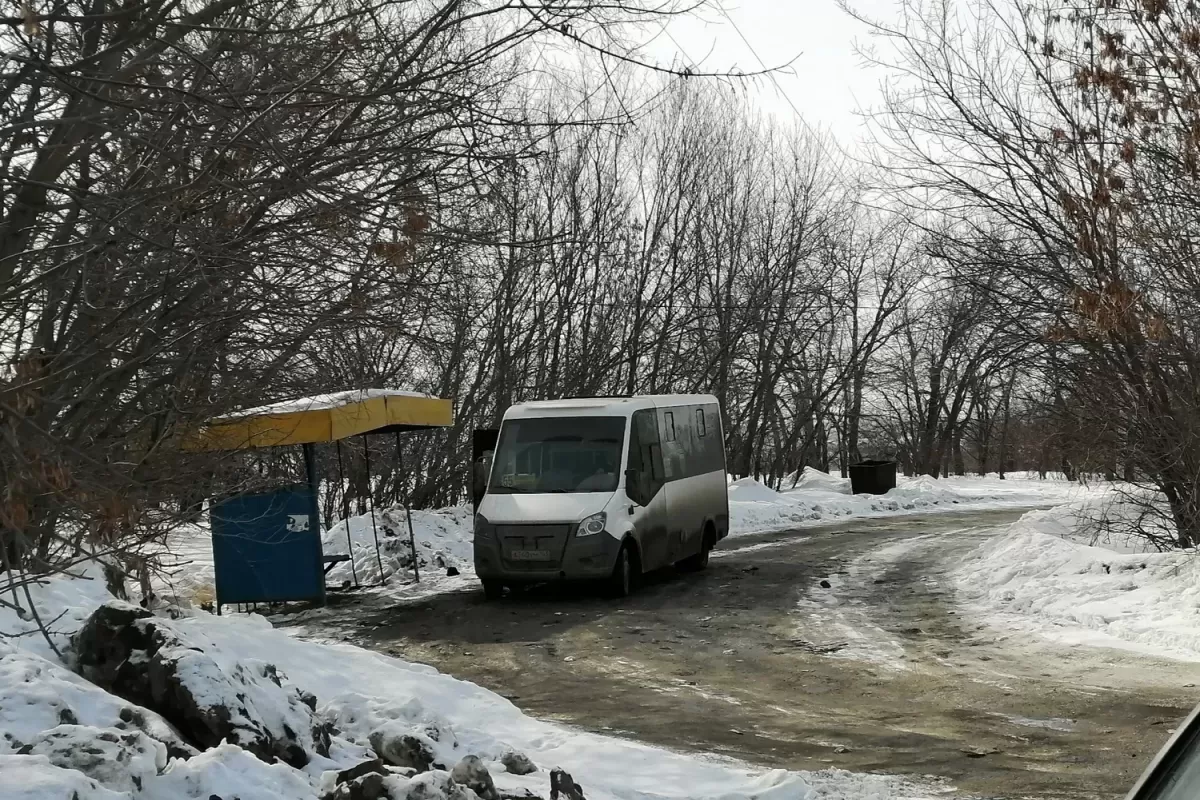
853 419
1183 497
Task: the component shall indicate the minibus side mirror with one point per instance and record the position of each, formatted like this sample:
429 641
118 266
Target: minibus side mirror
633 486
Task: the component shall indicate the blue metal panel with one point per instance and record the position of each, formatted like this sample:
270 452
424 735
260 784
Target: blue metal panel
267 547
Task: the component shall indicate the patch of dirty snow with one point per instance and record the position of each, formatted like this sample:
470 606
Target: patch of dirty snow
1052 724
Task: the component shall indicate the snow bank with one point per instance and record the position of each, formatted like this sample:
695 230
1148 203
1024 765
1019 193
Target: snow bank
1053 574
65 737
812 479
63 604
819 497
443 541
38 694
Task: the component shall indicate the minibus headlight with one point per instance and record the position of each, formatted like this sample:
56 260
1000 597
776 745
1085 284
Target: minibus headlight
592 525
482 527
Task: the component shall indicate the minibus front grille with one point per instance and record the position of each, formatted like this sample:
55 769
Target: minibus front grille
533 547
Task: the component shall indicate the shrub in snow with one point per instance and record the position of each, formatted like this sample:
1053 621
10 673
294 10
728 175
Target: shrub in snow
142 658
121 760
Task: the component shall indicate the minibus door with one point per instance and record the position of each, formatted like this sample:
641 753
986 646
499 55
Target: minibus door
645 486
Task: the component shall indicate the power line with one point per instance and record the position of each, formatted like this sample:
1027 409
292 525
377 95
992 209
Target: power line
770 74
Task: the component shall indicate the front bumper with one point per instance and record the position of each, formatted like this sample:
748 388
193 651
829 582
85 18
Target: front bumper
583 558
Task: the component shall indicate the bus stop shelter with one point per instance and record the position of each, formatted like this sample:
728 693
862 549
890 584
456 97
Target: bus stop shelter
267 545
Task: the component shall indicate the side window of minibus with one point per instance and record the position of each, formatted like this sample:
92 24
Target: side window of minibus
709 455
682 454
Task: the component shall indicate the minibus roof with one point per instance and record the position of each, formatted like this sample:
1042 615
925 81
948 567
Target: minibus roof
604 406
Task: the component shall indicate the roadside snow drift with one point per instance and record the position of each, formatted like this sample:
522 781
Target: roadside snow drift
1051 575
820 497
316 720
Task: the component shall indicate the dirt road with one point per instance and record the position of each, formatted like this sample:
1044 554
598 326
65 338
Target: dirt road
836 646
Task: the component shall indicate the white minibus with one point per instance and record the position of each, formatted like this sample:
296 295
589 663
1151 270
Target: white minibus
602 489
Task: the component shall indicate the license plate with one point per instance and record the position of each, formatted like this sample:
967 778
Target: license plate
530 555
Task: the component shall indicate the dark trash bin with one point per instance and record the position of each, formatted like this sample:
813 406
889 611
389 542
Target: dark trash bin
873 477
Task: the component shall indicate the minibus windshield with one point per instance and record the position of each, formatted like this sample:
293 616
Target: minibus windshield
558 454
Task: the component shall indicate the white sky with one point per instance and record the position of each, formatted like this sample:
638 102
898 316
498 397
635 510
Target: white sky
829 84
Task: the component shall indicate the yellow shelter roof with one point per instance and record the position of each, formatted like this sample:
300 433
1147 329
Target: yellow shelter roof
322 418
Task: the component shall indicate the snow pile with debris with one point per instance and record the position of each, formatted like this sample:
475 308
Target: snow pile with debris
39 693
387 728
442 538
1055 574
820 497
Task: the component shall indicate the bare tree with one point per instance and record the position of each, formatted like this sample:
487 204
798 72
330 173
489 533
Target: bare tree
1058 140
198 196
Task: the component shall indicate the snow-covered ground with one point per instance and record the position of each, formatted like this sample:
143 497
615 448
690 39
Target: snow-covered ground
1055 574
819 497
64 737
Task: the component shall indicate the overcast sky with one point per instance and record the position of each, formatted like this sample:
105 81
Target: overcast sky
829 82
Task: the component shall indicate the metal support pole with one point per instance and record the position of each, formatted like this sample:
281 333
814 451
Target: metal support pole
371 505
412 539
346 512
310 466
310 472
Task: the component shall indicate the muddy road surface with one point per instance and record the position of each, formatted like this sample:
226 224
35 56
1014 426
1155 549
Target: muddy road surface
840 646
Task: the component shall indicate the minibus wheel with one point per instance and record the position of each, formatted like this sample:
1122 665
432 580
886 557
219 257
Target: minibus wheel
620 583
699 561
